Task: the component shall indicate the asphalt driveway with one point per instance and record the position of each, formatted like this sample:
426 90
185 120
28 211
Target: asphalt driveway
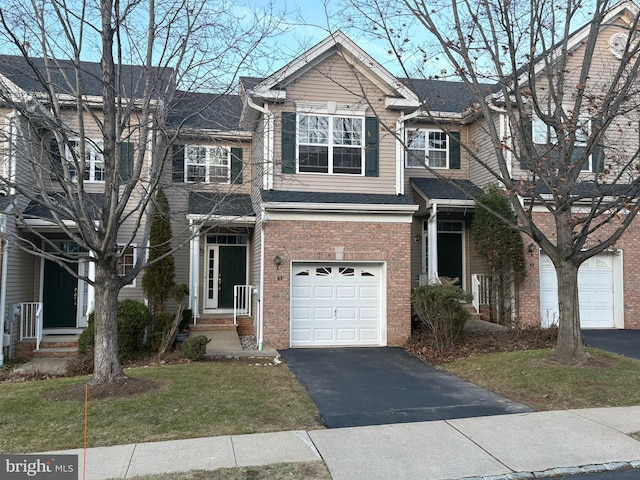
375 386
622 342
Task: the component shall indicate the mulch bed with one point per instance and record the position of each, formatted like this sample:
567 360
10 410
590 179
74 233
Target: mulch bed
481 341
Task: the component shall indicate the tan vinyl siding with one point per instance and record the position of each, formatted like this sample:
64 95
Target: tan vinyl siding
334 80
422 172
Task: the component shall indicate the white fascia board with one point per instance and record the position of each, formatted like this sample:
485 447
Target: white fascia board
344 217
398 102
221 219
339 207
452 202
39 223
218 134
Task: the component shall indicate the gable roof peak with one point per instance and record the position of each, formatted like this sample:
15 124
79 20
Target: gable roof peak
273 87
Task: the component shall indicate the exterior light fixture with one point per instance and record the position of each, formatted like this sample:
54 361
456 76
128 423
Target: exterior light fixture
277 261
531 248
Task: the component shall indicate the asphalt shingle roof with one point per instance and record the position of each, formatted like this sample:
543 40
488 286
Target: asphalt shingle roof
443 95
36 209
436 188
61 75
205 111
331 197
213 203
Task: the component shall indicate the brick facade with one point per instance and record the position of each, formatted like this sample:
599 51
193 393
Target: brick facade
628 245
298 240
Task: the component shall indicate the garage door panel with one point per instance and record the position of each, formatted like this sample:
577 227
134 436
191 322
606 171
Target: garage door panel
595 292
336 304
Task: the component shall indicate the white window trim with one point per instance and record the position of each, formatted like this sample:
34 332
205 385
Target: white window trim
426 131
578 143
93 149
134 249
330 143
11 156
207 163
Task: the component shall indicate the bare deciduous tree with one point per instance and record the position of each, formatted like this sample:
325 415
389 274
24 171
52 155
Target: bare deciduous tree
88 137
560 108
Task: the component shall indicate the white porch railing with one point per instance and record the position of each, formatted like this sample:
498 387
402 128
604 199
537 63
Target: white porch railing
480 290
31 321
241 301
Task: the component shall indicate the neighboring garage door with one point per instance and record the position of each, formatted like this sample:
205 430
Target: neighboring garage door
595 283
336 304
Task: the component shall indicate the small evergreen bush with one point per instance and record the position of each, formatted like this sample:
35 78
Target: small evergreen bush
194 348
133 317
439 307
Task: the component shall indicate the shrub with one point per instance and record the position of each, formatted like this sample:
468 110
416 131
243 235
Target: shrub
162 322
194 348
132 320
439 308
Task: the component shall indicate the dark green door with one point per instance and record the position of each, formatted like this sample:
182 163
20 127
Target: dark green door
450 255
59 296
232 271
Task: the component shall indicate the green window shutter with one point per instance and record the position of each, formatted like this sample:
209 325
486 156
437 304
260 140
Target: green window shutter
236 165
288 142
127 152
56 158
177 163
525 138
371 154
597 155
454 150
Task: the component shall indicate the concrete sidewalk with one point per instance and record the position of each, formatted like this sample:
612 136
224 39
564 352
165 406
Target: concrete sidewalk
497 447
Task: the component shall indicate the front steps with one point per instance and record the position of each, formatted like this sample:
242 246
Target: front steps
51 346
212 323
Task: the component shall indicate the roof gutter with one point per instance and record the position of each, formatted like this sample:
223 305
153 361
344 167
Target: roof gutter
339 207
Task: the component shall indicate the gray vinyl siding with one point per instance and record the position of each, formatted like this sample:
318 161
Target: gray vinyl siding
485 151
334 80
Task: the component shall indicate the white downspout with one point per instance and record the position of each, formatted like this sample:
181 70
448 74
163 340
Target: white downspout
3 280
91 289
260 328
267 174
400 153
432 241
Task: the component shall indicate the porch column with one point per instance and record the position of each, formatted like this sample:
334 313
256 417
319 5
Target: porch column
432 245
91 291
194 269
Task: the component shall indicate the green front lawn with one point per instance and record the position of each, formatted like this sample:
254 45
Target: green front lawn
530 377
192 400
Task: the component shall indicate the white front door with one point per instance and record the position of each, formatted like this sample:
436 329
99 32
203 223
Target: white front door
595 292
337 304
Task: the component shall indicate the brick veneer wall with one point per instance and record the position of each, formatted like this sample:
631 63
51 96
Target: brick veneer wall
629 243
331 241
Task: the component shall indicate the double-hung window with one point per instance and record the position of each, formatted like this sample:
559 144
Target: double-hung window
545 141
93 168
330 144
206 164
127 261
433 148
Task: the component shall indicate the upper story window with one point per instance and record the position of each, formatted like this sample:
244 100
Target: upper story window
545 141
206 164
330 144
433 148
93 160
334 144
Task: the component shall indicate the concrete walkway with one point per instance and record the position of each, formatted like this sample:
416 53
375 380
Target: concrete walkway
499 447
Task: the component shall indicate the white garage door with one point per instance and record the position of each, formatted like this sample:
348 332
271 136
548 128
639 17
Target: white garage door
595 283
336 305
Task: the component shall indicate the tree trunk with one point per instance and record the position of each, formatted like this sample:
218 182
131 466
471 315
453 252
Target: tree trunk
107 366
569 348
